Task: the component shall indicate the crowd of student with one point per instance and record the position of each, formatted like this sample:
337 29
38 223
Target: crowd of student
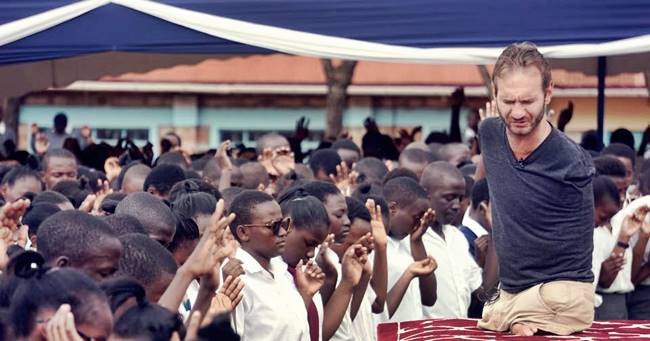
106 243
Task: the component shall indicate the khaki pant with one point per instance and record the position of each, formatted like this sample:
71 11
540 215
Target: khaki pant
560 307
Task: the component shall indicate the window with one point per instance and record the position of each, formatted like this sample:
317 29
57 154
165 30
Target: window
116 134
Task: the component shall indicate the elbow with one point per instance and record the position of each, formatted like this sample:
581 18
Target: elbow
430 302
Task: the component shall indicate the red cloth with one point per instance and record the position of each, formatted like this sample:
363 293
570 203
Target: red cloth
465 329
312 313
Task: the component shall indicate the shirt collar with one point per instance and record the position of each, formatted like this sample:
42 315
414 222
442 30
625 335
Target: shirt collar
474 226
249 263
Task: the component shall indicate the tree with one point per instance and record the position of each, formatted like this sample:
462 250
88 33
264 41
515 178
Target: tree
338 78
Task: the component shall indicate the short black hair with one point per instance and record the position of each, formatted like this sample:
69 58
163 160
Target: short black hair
76 191
72 234
346 144
417 156
374 192
610 166
47 288
591 141
173 158
357 210
186 230
148 321
403 191
480 193
229 195
163 178
154 215
193 204
56 152
321 189
192 186
211 170
622 150
622 135
370 169
243 205
144 259
399 172
605 187
51 197
111 200
21 172
253 174
306 212
119 290
124 224
36 215
324 160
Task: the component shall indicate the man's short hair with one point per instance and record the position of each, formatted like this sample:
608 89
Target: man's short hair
417 156
265 140
144 259
124 224
173 158
400 172
56 152
72 234
620 150
622 135
253 174
403 191
324 160
346 144
519 56
371 169
163 177
149 210
51 197
18 173
480 193
76 191
610 166
186 230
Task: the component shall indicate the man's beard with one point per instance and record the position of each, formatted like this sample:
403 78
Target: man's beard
534 123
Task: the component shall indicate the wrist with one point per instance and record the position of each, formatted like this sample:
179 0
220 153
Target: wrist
347 284
623 238
186 272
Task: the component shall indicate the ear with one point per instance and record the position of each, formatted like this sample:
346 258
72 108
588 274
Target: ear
33 239
483 207
3 190
548 93
393 208
62 262
242 233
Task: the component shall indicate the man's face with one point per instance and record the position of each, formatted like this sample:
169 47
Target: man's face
445 199
103 259
606 210
521 100
404 220
20 187
629 170
59 169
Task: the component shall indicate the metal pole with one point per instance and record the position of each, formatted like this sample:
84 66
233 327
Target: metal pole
602 72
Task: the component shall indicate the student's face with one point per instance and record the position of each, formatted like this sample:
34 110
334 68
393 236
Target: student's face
358 229
416 167
486 211
97 322
521 99
621 184
404 220
103 260
445 199
184 250
629 169
301 244
59 169
605 210
337 210
261 239
464 204
20 187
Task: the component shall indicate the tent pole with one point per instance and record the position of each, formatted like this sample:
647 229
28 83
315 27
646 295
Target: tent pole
602 72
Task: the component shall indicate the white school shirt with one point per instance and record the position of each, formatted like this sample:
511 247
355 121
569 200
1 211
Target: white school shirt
363 325
189 300
604 243
398 253
617 221
474 226
457 275
271 309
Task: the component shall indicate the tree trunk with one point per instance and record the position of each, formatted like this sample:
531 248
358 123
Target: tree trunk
338 79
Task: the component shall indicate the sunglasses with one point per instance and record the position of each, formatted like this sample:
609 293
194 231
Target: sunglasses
275 225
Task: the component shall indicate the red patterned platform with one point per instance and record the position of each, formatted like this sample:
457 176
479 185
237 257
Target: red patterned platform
465 329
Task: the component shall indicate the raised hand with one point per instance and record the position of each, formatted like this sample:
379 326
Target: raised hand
427 219
223 160
565 116
480 247
377 223
41 144
104 190
302 129
489 111
88 203
309 278
11 213
352 263
457 97
233 268
610 268
344 179
423 267
634 222
112 168
61 326
324 262
283 161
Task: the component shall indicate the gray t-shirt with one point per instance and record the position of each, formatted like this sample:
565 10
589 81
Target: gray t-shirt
542 208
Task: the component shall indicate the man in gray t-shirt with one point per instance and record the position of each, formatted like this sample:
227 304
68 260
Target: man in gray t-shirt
542 204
